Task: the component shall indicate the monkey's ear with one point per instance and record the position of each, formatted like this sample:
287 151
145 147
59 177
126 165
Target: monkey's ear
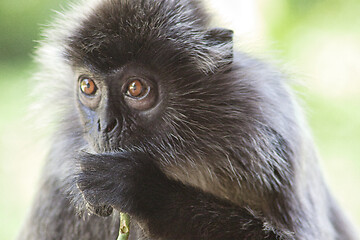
219 44
219 36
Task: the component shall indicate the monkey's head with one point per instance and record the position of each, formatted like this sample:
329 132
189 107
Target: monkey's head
145 74
152 76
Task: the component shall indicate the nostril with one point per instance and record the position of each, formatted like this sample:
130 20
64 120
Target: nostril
111 126
99 125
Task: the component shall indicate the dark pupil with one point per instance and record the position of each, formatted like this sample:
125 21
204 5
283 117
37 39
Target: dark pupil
87 83
133 86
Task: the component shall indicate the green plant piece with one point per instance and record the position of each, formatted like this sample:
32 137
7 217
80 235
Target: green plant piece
124 229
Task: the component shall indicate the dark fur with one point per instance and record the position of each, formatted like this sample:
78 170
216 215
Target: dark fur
223 155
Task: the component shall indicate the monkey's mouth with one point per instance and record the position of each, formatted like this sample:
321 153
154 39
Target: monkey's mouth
113 142
105 143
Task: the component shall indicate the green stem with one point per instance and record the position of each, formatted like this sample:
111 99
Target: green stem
124 229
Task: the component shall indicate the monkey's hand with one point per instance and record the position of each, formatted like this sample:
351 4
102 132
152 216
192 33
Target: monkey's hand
168 209
124 181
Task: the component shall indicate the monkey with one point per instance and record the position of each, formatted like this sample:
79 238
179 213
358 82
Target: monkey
157 116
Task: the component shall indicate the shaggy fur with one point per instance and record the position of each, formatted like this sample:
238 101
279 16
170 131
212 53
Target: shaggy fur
224 154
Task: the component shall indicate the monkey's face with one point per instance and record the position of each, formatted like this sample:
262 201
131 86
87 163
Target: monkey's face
149 82
117 108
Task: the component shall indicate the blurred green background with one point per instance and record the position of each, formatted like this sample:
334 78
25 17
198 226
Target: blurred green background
316 41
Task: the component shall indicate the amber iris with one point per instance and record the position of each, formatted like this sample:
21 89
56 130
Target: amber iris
87 86
135 89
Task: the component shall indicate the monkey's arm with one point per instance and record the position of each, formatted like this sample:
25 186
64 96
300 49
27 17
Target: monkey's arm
53 217
170 210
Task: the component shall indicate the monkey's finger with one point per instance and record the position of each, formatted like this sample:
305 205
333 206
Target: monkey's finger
102 211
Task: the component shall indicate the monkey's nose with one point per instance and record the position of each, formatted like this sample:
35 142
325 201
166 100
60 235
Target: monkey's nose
111 126
107 126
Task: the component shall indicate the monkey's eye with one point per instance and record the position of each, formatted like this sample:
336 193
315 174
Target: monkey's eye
87 86
137 89
140 93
